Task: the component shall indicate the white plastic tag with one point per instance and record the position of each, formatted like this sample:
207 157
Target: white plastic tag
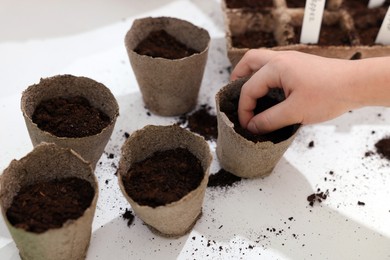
375 3
312 20
383 36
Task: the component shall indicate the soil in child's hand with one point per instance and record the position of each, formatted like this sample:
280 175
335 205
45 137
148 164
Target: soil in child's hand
47 205
161 44
70 117
164 177
230 108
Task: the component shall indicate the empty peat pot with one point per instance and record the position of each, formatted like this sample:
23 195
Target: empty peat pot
163 173
169 82
241 152
48 200
75 112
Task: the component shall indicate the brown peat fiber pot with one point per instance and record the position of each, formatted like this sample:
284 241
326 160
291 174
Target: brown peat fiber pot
240 152
73 112
48 200
163 173
168 57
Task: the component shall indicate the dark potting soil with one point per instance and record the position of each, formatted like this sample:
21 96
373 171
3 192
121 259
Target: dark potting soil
230 108
329 35
333 35
164 177
69 117
201 122
367 23
352 5
295 3
251 4
368 35
47 205
383 147
296 39
360 4
222 179
254 39
161 44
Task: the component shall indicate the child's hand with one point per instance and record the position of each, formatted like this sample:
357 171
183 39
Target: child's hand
316 88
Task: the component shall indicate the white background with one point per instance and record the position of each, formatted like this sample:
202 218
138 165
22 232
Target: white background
266 218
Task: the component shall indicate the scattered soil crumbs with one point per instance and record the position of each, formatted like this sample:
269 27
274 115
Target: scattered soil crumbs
317 197
128 215
70 117
383 147
222 179
201 122
47 205
164 177
261 239
368 153
161 44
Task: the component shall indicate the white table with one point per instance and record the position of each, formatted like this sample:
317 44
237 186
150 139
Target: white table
266 218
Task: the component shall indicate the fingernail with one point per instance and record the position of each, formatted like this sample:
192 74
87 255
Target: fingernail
252 127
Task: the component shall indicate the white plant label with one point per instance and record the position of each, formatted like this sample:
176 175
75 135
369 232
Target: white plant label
375 3
383 36
312 19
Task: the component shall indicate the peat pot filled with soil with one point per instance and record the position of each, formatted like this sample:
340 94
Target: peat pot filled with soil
163 173
48 200
168 57
241 152
73 112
